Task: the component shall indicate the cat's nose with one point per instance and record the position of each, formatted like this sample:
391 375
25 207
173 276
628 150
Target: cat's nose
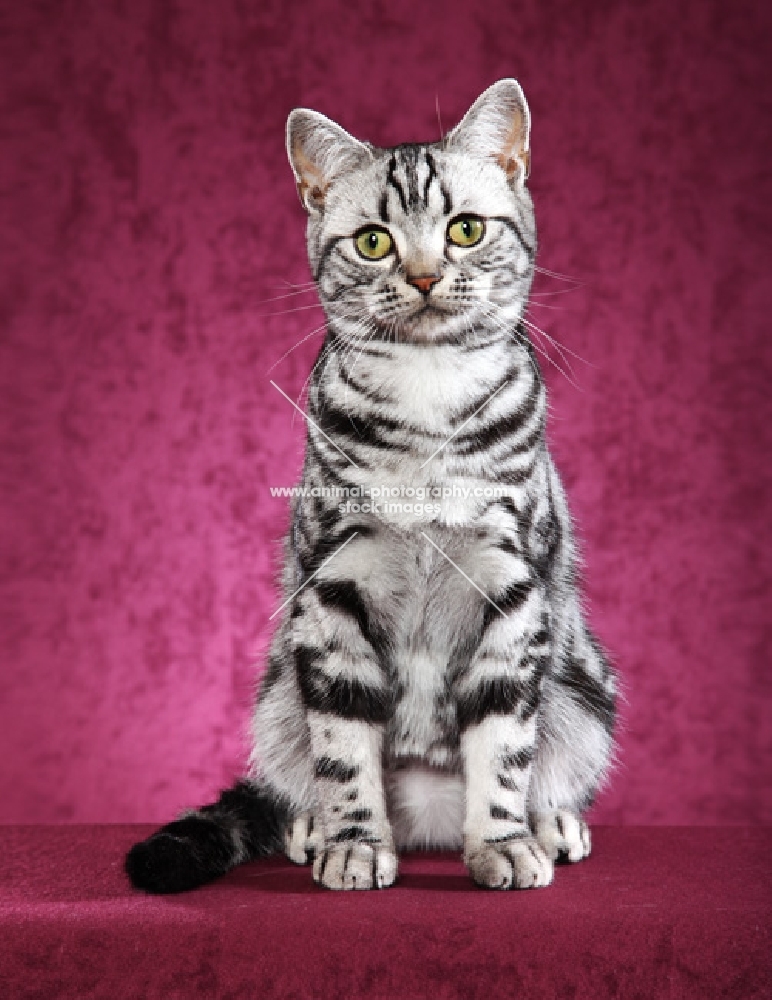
423 282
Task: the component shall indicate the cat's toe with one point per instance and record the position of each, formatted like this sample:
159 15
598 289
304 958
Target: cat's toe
355 866
516 864
562 834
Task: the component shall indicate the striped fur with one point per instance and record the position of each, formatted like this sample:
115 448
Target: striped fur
432 682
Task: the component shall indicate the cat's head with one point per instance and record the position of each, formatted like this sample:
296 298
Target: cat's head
424 242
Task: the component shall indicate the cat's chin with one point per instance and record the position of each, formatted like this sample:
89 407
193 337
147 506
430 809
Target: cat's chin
432 324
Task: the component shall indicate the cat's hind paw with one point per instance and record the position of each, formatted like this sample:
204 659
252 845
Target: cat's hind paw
511 864
562 834
303 839
355 866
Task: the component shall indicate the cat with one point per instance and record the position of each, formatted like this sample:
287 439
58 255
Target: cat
432 682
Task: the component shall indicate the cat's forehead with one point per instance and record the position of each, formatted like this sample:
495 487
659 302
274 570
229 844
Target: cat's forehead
415 182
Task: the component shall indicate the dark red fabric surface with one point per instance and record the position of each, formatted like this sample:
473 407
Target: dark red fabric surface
653 913
150 233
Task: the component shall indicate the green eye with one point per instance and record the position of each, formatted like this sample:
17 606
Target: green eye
373 243
466 231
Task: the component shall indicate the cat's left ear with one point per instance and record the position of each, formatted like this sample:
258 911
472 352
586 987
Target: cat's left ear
498 125
319 151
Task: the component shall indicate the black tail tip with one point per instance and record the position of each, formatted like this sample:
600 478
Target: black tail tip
176 859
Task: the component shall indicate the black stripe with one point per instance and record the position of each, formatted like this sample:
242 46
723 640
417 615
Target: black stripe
383 207
499 812
513 598
503 426
488 393
430 178
516 477
497 432
344 697
512 225
509 545
392 180
306 657
494 696
507 504
469 346
337 422
359 815
506 782
518 758
517 835
335 770
330 541
325 460
358 833
324 254
344 596
524 444
447 200
372 394
587 692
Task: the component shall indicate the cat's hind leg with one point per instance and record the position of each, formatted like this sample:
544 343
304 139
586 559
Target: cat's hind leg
562 834
573 750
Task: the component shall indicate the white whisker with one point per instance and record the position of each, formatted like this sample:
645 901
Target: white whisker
556 274
561 348
294 347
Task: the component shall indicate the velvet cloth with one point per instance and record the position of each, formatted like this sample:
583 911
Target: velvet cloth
148 242
653 913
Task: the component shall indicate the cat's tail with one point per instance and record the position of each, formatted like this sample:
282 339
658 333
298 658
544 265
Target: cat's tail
246 822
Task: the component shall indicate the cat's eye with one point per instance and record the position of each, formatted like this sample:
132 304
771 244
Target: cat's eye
466 231
373 243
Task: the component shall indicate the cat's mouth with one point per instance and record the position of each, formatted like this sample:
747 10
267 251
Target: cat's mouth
429 308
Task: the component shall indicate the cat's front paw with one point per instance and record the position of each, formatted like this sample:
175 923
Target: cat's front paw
512 864
355 866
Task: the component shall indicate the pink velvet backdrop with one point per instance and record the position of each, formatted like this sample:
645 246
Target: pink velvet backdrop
152 220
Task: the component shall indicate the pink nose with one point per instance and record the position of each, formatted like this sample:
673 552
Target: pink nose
423 282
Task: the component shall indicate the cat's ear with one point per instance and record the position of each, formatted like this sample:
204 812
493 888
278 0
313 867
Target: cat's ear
319 151
497 125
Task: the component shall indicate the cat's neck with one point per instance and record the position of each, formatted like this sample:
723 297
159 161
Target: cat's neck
429 386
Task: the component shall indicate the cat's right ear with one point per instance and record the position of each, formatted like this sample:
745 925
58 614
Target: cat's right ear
319 151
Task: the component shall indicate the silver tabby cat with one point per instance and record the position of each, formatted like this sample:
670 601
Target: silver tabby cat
432 682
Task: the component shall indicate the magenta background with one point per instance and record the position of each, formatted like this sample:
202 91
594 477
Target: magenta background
152 214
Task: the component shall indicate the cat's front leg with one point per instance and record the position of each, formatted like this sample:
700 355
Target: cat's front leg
358 849
347 699
497 699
